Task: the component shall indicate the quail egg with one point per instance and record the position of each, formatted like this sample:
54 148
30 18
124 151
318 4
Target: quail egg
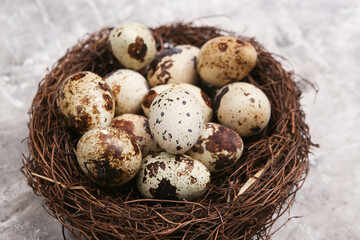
243 107
176 120
174 65
86 101
128 87
137 126
167 176
108 156
133 45
218 147
223 60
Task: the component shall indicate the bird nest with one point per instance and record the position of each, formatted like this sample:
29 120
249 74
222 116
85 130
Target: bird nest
241 203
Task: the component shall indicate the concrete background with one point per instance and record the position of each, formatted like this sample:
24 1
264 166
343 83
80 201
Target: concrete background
320 38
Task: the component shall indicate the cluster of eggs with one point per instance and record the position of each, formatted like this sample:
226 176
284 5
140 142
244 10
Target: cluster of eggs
164 135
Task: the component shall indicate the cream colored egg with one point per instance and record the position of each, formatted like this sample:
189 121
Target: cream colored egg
133 45
128 87
137 127
201 96
167 176
218 147
243 107
176 120
203 99
151 94
108 156
223 60
174 65
86 101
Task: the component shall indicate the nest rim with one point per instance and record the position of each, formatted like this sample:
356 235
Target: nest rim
276 160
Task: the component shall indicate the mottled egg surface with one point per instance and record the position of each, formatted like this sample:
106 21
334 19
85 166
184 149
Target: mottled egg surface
108 156
203 99
200 95
243 107
218 147
176 120
151 95
223 60
174 65
137 126
133 45
167 176
129 88
86 101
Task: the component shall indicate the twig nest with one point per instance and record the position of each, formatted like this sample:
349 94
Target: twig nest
176 120
86 101
218 147
243 107
174 65
137 127
108 156
167 176
223 60
128 88
133 45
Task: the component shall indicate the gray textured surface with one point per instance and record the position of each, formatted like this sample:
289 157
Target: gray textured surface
320 38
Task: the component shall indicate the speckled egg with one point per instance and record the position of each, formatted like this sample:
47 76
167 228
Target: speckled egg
129 88
167 176
137 126
151 95
133 45
108 156
243 107
203 99
201 96
174 65
223 60
218 147
86 101
176 120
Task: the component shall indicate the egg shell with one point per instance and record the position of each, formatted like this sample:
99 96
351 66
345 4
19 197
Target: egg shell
86 101
133 45
137 127
167 176
218 147
151 95
200 95
223 60
129 88
174 65
243 107
176 120
108 156
203 99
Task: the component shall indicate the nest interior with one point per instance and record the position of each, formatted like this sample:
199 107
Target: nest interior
241 203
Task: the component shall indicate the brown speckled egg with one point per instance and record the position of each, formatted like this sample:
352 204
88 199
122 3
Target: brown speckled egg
137 127
223 60
86 101
133 45
174 65
243 107
218 147
200 95
108 156
150 96
128 87
176 120
167 176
